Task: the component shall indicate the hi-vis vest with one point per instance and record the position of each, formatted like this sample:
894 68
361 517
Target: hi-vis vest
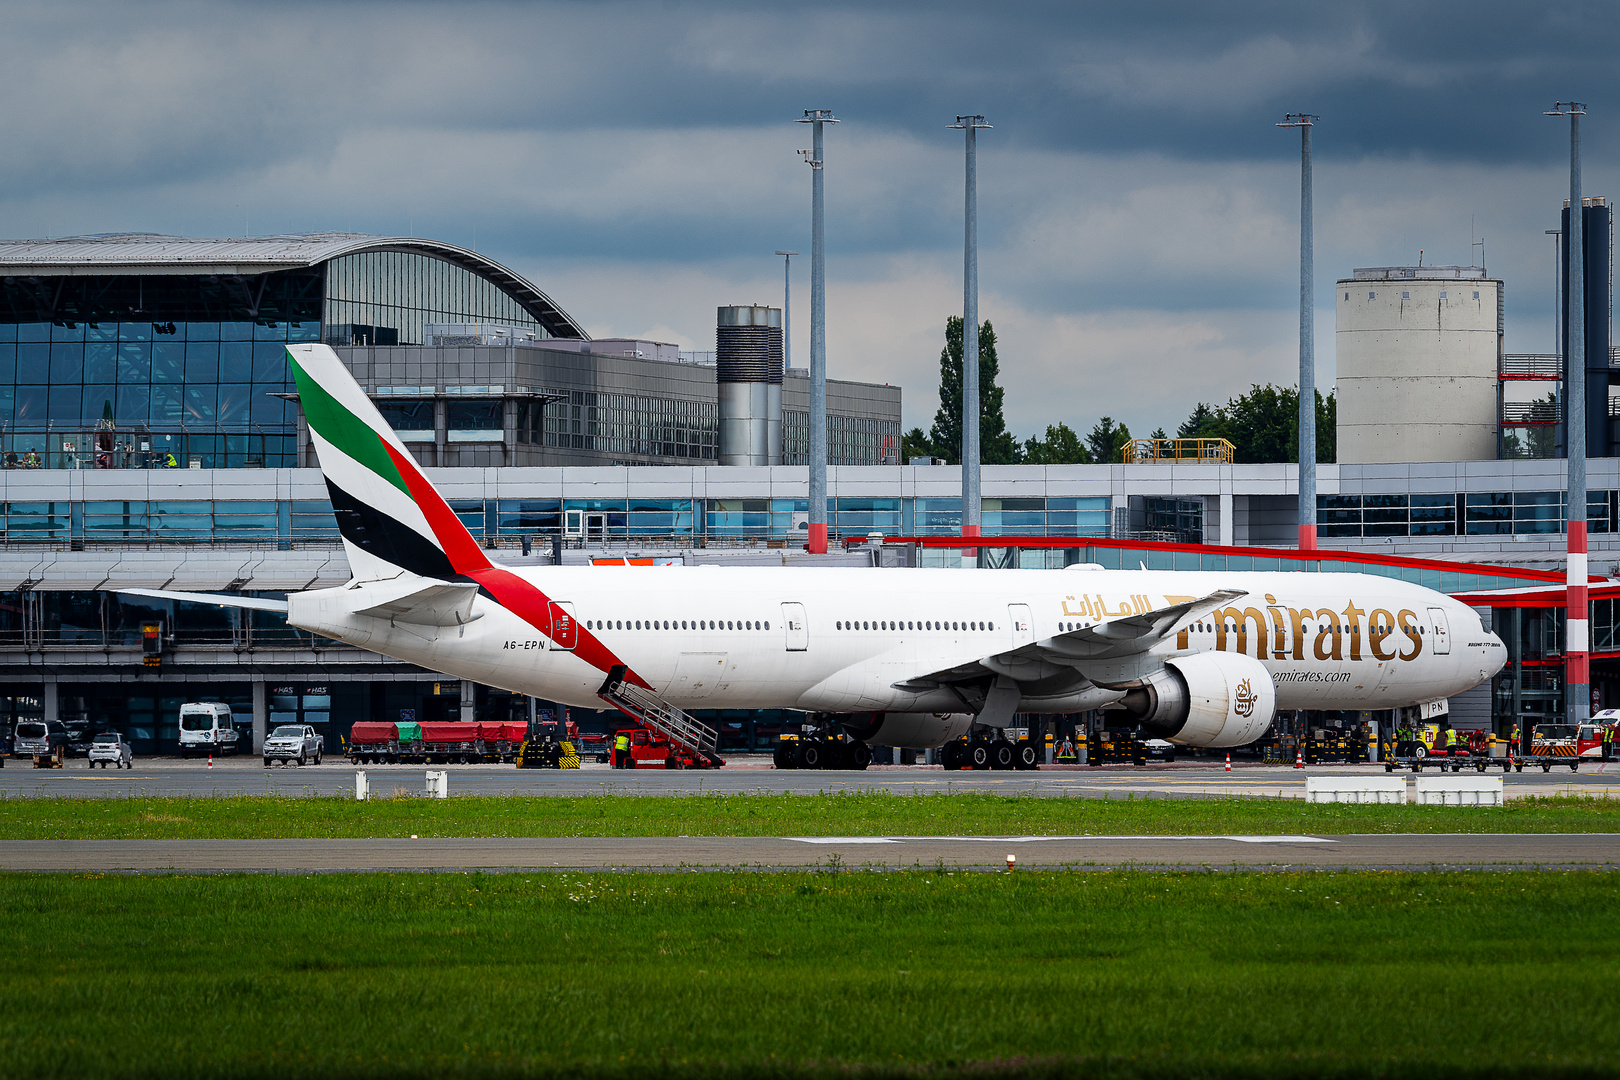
622 742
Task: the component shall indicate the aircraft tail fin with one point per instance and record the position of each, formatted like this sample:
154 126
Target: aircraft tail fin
391 519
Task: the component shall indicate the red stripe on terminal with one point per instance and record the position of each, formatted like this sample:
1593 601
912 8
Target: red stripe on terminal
1577 538
510 591
1576 669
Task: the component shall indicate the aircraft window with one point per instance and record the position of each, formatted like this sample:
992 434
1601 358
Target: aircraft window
767 624
838 626
731 626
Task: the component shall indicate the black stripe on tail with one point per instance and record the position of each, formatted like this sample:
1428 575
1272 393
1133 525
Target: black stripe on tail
375 533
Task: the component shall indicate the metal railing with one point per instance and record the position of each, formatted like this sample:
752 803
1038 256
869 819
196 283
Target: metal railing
1192 451
1529 413
1541 366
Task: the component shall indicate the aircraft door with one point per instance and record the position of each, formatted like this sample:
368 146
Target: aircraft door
1442 633
797 629
1023 626
564 630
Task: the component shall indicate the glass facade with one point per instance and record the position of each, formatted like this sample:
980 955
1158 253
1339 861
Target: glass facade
851 440
622 424
1500 513
190 371
389 298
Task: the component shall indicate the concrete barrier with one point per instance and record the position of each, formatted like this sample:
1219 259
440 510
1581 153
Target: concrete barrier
1356 789
362 786
438 784
1459 790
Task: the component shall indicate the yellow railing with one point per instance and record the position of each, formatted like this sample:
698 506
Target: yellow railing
1190 451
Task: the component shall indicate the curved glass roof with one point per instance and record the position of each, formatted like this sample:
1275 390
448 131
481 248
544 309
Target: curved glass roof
151 254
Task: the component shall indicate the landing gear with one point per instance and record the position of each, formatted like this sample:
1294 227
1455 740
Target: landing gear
989 748
820 751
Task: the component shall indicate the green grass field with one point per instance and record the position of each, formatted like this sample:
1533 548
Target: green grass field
919 973
859 814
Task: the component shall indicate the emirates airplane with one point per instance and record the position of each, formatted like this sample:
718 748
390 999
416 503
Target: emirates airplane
895 657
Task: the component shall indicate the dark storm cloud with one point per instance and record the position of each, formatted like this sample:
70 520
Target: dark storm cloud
637 158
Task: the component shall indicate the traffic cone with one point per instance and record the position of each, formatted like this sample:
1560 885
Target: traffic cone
1229 761
1299 759
210 761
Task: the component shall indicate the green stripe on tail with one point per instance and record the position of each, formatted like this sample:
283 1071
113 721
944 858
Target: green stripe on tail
344 430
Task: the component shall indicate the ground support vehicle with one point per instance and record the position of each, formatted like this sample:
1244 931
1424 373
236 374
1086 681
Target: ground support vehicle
293 742
1589 739
545 754
206 727
372 743
1114 747
550 747
1455 762
1546 761
990 748
109 748
52 759
651 750
818 750
451 741
1333 746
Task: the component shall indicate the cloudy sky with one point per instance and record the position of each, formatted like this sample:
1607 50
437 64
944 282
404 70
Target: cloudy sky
1139 213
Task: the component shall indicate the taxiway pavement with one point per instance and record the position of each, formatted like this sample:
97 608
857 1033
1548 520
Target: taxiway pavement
1295 852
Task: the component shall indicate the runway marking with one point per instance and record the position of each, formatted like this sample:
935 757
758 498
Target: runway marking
1046 839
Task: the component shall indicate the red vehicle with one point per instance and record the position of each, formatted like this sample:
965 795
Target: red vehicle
1589 739
650 750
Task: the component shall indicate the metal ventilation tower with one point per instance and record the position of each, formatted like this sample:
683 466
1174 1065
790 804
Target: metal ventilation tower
748 369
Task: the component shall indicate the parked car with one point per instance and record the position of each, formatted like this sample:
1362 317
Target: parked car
40 737
294 742
110 747
1159 750
206 727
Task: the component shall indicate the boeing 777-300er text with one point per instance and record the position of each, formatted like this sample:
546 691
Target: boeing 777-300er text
894 657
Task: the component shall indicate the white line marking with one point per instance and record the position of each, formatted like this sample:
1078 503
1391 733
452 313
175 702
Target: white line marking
1040 839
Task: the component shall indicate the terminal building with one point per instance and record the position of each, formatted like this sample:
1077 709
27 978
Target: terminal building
152 438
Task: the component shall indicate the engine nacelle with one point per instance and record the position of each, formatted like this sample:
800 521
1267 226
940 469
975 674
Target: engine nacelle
1206 699
909 731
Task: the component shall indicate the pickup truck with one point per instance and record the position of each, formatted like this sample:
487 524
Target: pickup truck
294 742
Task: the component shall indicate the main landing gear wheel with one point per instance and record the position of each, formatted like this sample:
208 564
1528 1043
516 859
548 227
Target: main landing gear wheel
860 756
1001 756
979 757
1028 757
810 755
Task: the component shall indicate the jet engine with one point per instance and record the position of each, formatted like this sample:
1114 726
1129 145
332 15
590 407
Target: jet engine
1206 699
910 731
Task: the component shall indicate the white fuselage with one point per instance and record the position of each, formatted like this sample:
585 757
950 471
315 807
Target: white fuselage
839 640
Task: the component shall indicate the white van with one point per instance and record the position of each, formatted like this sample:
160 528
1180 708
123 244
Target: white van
206 728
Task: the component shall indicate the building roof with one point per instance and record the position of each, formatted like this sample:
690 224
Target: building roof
152 254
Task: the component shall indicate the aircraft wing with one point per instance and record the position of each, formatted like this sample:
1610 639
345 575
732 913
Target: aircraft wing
1068 652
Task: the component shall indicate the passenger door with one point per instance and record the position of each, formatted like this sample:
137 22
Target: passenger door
1023 626
564 630
796 628
1442 632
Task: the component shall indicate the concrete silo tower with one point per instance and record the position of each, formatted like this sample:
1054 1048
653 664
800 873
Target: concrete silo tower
1418 353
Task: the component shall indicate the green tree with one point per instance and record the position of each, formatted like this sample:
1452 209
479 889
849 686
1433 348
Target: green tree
997 446
1158 433
1202 424
1061 446
1263 425
1107 441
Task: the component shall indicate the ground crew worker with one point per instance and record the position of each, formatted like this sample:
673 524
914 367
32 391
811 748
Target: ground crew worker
621 750
1513 740
1451 738
1608 742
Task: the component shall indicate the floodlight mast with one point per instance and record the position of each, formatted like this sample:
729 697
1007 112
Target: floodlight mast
818 334
787 307
1577 679
971 453
1307 333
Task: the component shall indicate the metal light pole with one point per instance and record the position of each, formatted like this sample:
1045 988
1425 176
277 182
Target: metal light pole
970 328
818 334
1307 335
787 307
1577 702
